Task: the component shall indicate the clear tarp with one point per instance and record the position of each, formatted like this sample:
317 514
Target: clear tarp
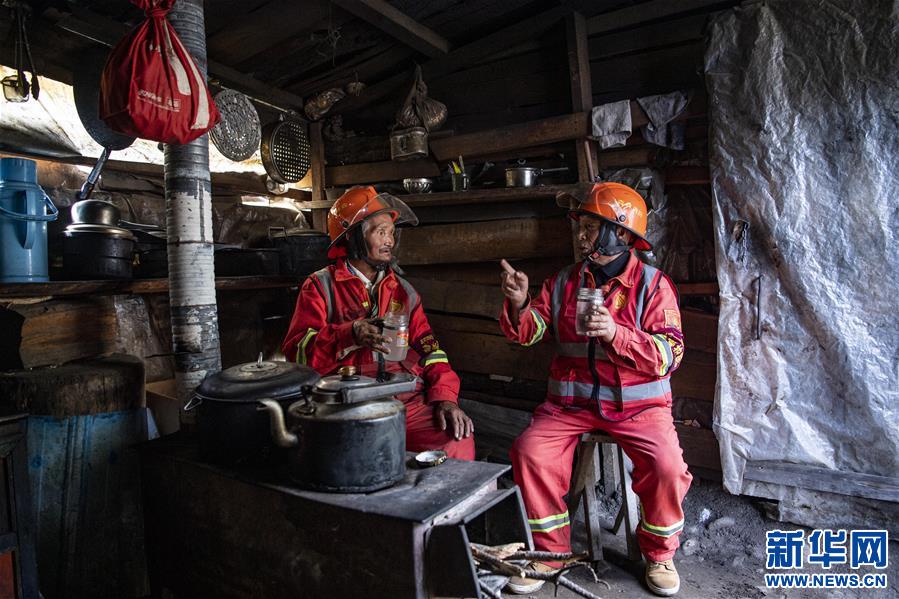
804 126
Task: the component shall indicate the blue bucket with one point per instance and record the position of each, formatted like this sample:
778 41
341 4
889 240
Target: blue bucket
23 223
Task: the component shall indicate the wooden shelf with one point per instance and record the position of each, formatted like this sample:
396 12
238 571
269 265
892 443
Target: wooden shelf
472 196
133 287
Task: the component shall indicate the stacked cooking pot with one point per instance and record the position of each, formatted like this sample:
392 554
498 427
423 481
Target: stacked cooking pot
343 433
94 246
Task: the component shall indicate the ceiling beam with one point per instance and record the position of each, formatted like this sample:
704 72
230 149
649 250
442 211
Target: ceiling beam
398 25
647 11
460 58
108 32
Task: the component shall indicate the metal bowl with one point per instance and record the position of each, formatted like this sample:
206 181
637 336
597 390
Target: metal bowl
96 212
418 185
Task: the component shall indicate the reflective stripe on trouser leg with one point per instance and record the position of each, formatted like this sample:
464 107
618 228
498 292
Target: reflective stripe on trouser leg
660 531
541 462
549 523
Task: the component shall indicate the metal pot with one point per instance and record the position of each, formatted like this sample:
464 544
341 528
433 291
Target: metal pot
408 144
348 435
229 425
100 252
526 176
300 251
96 212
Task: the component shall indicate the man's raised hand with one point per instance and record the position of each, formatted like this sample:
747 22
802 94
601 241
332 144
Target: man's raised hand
514 284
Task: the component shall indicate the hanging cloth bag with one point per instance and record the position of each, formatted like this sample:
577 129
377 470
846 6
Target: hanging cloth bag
151 86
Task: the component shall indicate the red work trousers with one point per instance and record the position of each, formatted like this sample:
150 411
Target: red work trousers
542 461
422 433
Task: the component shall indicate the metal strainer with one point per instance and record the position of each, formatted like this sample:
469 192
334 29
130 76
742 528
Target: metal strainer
286 155
237 135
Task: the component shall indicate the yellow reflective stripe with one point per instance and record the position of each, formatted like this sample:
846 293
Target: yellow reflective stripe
551 528
435 357
664 353
660 531
541 328
548 518
549 523
301 346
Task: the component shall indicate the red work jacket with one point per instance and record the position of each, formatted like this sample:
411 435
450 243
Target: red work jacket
634 368
321 330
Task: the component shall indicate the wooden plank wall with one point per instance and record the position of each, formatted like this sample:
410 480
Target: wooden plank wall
452 258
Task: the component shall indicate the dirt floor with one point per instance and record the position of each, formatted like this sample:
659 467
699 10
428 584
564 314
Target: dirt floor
722 555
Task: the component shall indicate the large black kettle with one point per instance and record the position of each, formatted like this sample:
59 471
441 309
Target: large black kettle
348 435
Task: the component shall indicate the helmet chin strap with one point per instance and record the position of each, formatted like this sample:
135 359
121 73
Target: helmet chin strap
607 242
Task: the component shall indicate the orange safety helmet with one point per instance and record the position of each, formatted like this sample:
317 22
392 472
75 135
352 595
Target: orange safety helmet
613 202
358 204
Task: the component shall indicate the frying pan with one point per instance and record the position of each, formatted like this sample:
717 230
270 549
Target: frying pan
285 150
86 89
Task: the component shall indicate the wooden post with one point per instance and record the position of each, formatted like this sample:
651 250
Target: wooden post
319 215
581 87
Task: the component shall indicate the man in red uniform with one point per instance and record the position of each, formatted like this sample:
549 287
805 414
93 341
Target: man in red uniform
613 379
336 321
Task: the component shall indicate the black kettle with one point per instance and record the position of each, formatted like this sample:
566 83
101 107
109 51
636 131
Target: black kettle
347 435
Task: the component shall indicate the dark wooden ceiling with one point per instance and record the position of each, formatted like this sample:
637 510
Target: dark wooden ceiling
283 51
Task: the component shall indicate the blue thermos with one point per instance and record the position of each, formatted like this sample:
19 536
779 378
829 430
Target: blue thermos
23 223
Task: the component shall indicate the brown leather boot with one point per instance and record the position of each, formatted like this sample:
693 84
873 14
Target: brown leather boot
662 578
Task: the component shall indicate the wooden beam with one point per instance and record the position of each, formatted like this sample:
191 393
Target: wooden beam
135 287
804 476
373 172
270 25
317 147
521 135
581 87
250 183
460 58
478 242
398 25
108 32
459 198
646 12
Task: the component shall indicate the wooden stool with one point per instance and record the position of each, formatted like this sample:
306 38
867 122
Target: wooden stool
615 470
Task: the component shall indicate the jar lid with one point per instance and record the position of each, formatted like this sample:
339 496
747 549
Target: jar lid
589 293
257 380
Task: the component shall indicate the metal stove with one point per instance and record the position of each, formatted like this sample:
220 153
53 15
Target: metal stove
241 532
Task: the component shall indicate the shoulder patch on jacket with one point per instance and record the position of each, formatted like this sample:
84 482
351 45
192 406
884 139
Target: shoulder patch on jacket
672 319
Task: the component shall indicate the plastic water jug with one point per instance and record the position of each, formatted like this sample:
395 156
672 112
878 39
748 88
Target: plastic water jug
23 222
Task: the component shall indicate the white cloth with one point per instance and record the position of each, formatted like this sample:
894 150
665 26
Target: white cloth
611 123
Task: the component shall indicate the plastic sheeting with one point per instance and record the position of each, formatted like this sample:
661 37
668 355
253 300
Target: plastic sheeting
804 154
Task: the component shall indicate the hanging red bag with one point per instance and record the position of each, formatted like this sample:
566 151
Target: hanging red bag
151 87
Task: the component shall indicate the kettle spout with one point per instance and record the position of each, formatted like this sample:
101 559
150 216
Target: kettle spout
280 436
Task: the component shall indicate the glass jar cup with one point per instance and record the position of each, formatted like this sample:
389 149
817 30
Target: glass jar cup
588 300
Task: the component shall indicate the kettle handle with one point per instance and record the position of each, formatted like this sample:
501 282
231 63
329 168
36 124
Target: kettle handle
379 390
54 212
194 401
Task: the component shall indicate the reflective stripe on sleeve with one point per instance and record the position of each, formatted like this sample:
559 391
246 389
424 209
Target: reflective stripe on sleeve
541 328
301 346
435 357
664 353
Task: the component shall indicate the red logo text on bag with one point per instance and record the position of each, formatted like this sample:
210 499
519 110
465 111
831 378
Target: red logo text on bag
151 86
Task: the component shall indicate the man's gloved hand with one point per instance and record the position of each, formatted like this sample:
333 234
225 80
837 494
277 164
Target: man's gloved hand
447 413
367 333
599 324
514 285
